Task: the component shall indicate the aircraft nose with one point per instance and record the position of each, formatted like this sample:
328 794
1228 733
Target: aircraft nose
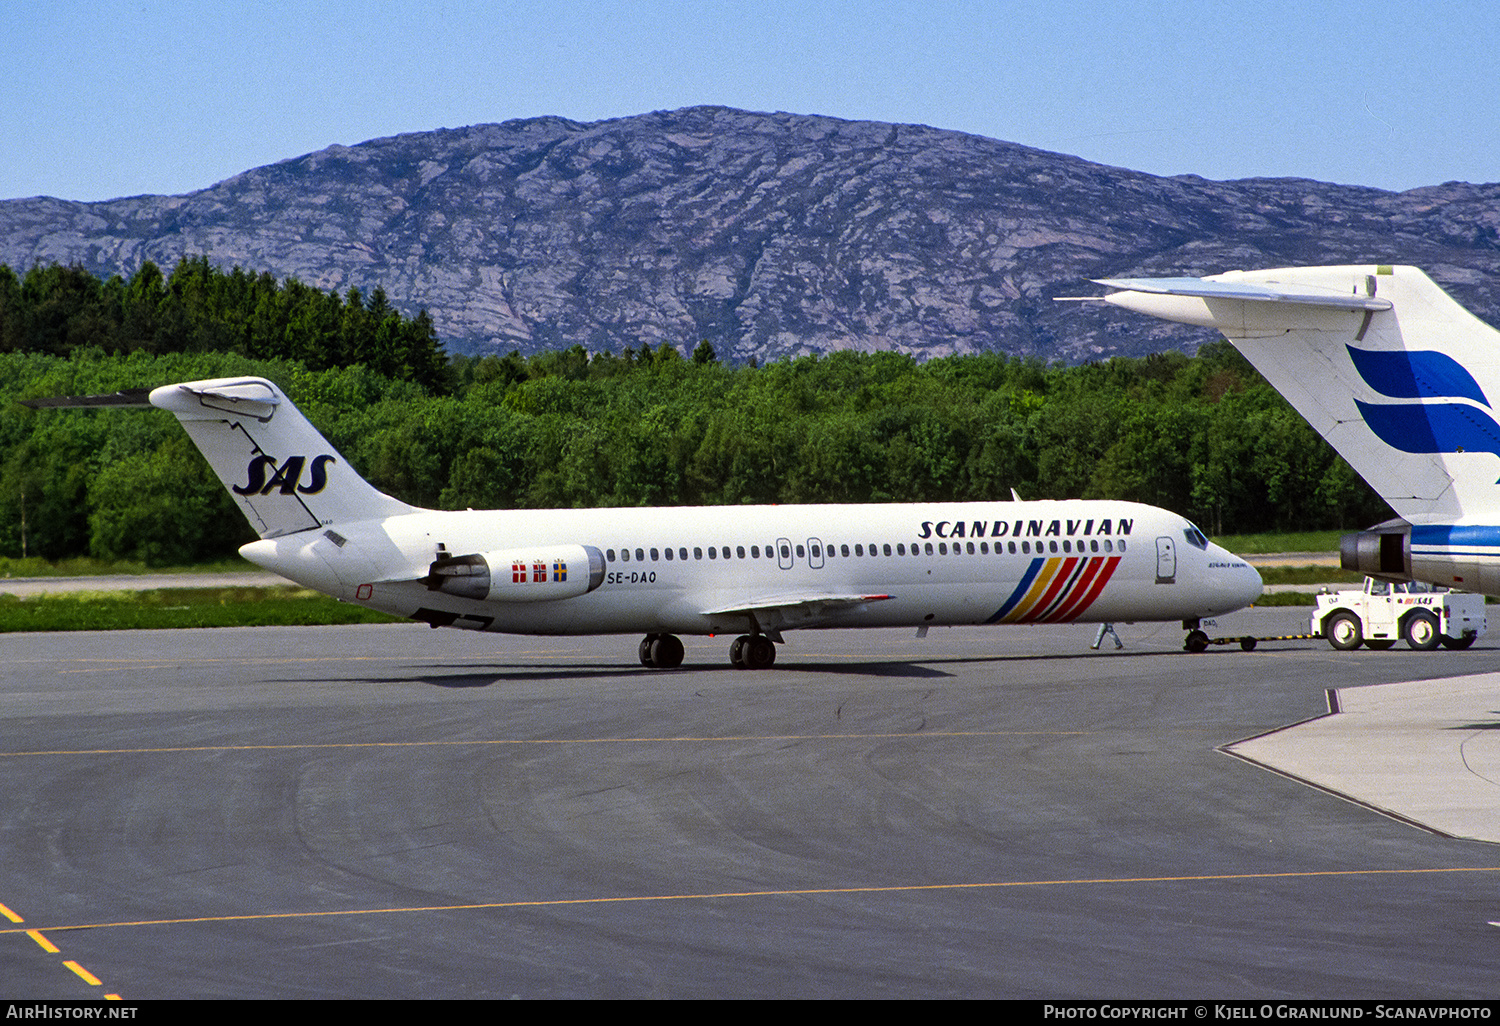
1237 583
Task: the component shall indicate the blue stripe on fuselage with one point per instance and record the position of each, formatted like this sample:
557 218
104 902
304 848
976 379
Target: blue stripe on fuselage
1447 535
1020 592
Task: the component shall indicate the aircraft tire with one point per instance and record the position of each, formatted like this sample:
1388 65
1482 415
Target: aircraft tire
1196 641
648 658
1343 631
666 652
1420 629
1458 644
737 652
760 653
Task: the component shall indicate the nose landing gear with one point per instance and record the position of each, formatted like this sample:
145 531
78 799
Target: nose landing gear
1196 641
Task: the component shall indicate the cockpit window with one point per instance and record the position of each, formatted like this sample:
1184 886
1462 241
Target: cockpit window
1195 537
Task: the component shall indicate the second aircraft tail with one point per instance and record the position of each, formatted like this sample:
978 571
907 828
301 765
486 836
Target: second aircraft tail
1398 377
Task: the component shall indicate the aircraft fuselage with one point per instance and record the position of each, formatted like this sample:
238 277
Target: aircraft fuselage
712 570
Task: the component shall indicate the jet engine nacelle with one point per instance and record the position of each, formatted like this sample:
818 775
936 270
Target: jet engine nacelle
1384 551
536 574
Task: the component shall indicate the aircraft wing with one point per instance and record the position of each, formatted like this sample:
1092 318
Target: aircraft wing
796 607
1263 292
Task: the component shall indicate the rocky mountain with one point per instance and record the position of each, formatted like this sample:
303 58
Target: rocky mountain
768 234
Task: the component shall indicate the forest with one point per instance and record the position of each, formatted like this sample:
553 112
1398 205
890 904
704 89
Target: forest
1202 435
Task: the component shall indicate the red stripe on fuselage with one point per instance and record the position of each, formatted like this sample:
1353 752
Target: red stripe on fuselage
1110 563
1069 607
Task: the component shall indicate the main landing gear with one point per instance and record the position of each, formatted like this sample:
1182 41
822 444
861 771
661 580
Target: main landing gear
749 652
661 651
752 652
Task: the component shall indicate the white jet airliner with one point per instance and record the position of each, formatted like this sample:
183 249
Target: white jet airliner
1397 376
749 570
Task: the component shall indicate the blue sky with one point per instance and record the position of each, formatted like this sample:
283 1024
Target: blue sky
104 99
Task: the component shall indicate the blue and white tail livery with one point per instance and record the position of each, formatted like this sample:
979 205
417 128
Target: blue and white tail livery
1400 379
760 570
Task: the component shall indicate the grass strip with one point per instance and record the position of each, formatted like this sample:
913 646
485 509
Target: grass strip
179 608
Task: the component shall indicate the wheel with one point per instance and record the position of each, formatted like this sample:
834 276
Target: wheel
1459 643
1247 644
1343 631
647 658
666 652
1380 644
760 653
1196 641
1420 629
737 652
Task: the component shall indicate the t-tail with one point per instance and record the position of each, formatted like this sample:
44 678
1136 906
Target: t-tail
1399 378
282 472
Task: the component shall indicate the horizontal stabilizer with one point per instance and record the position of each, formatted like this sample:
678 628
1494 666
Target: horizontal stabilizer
124 397
1205 288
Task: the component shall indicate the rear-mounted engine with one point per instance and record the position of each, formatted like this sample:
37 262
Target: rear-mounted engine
519 575
1383 551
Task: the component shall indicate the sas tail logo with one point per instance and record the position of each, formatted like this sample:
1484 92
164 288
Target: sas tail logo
1425 427
287 477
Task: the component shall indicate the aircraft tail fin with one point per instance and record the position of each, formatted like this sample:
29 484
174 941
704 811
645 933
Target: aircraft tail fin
282 472
1396 375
